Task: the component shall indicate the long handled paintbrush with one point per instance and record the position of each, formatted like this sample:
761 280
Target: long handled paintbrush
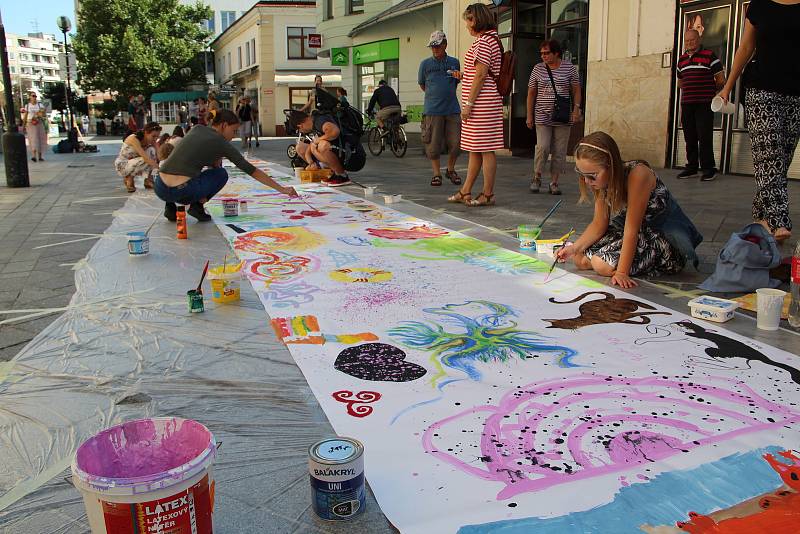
549 213
203 277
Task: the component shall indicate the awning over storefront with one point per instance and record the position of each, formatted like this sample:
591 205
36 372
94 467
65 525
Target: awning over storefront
403 8
306 78
177 96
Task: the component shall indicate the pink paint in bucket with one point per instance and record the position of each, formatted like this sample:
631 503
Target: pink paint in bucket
149 475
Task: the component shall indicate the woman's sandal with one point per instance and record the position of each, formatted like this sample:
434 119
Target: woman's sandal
481 200
436 181
460 198
129 185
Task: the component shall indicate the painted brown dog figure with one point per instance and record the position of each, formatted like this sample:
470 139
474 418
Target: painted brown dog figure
604 311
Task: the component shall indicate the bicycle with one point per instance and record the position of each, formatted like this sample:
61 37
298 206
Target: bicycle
393 132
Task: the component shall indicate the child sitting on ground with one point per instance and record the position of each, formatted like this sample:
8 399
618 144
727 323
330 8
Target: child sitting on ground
638 228
165 150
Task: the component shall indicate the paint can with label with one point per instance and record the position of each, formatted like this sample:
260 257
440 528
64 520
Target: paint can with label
194 300
242 206
336 469
138 243
230 207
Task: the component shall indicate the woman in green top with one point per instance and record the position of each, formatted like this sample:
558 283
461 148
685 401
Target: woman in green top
182 178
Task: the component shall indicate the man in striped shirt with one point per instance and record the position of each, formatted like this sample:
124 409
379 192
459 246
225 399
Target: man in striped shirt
700 76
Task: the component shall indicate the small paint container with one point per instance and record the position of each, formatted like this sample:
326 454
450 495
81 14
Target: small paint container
336 469
369 191
242 206
388 199
194 300
527 234
138 243
230 207
713 308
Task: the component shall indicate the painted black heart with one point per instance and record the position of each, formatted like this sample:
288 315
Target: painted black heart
378 362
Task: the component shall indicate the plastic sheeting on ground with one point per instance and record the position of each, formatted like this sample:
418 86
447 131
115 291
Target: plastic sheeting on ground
128 348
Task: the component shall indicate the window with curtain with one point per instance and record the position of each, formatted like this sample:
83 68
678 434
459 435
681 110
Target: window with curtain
208 24
297 43
246 54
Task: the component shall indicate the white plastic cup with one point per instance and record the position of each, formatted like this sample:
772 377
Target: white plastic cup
718 105
369 191
770 304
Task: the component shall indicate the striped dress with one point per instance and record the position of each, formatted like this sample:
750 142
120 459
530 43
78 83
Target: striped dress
483 131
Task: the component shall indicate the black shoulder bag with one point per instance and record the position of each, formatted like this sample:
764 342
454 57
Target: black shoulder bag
562 108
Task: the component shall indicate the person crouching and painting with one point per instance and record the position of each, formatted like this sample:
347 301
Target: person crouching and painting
638 228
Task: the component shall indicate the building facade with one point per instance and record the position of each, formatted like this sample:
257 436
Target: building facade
34 60
374 40
271 55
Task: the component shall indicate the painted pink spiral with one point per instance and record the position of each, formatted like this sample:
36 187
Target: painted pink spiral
355 407
551 432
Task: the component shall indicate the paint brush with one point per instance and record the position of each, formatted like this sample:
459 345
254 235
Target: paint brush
553 266
203 277
549 213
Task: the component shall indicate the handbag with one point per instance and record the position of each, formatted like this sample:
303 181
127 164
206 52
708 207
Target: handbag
562 106
744 262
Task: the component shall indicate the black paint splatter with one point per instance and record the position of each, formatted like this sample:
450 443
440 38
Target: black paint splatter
378 362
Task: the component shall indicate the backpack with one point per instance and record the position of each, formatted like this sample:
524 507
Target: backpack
508 63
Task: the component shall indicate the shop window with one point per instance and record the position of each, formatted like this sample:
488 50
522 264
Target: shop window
165 112
355 7
228 17
327 10
298 97
370 74
297 43
564 10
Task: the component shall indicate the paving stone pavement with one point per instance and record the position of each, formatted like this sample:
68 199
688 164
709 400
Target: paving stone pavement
77 194
69 194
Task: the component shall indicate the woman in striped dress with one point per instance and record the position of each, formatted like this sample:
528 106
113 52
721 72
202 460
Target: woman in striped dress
481 105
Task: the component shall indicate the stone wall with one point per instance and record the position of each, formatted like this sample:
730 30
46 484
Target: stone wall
628 98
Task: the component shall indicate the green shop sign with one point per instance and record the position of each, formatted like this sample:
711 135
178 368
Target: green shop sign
340 56
377 51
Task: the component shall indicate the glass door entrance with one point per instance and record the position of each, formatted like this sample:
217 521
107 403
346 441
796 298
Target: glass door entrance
721 23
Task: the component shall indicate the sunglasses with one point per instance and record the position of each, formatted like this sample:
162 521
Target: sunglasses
545 52
591 176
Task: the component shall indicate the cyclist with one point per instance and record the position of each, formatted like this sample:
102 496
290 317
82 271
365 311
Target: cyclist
329 145
387 101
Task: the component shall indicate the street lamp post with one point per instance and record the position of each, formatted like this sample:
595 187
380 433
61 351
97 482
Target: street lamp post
14 156
65 25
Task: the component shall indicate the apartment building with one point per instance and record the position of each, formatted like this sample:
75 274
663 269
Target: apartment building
34 60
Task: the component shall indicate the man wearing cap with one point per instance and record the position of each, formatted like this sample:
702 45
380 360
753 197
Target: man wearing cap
441 116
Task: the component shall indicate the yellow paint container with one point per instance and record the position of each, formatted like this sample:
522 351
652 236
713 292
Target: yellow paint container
225 285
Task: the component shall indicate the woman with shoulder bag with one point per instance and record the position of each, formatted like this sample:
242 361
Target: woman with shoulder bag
554 104
33 115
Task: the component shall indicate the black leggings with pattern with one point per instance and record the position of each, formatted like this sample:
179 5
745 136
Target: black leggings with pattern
773 120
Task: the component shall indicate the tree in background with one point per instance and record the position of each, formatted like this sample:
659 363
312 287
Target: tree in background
138 46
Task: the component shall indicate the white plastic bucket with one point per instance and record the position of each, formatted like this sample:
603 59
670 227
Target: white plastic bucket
152 475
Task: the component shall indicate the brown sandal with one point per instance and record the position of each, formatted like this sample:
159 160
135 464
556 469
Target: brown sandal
453 176
460 198
481 200
436 181
129 185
